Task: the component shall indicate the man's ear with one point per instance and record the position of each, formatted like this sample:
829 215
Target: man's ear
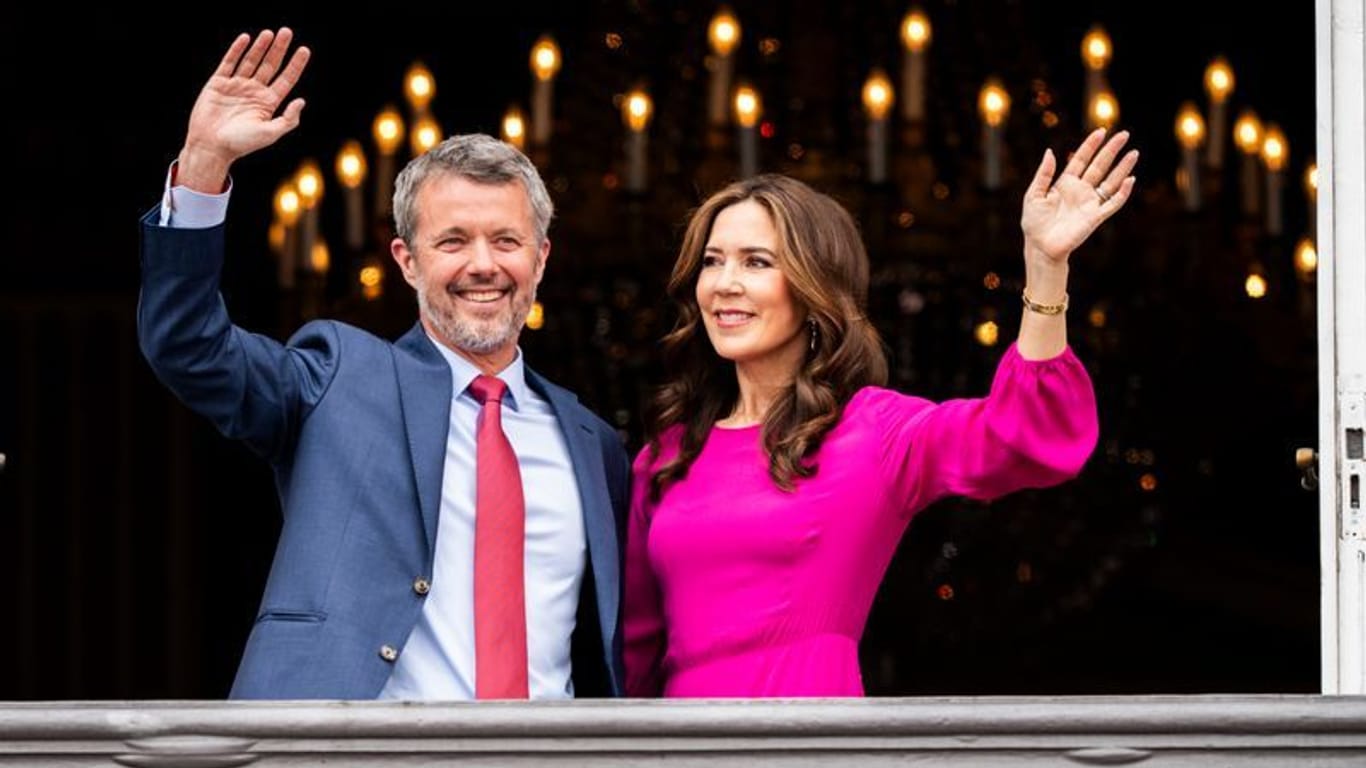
404 258
544 253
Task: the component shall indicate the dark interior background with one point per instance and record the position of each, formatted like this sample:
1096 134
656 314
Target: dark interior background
134 541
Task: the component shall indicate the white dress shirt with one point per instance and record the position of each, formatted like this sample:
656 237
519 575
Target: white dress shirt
438 660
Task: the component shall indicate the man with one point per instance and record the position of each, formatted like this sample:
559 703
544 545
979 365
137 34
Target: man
452 521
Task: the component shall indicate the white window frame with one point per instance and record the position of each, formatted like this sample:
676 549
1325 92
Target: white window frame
1341 238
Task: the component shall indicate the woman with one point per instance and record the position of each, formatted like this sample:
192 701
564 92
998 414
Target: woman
780 474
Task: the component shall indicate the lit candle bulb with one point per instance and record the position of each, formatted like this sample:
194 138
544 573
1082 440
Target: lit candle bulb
420 88
388 134
321 259
1219 84
308 180
276 236
1306 259
915 36
1255 283
535 318
1311 195
371 279
351 173
748 110
1102 111
1190 133
1247 134
1275 154
1095 54
287 209
723 34
514 128
545 64
877 103
635 113
993 103
426 134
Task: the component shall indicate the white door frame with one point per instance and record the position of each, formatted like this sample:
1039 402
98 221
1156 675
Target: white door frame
1341 238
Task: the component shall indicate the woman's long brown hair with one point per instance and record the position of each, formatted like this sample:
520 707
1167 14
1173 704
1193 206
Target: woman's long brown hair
822 256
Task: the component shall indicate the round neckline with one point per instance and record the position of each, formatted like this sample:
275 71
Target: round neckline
745 428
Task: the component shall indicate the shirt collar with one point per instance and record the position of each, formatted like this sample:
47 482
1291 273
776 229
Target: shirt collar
463 373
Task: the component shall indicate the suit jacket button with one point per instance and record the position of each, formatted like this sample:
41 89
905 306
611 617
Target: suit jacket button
388 653
421 586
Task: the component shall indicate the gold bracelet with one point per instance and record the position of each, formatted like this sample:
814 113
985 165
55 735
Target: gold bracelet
1044 309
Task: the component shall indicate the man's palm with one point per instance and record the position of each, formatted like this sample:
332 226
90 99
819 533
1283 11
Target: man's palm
235 113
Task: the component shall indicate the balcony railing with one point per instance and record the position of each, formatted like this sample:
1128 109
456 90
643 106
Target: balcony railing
1152 731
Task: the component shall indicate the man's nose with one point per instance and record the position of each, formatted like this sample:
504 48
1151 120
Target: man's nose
481 257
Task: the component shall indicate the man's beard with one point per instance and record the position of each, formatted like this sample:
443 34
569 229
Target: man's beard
480 337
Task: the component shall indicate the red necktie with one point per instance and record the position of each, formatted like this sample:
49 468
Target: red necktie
499 524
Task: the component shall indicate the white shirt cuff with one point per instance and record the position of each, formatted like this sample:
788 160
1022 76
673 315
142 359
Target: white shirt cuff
184 208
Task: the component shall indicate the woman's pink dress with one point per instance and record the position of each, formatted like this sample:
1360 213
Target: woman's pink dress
737 588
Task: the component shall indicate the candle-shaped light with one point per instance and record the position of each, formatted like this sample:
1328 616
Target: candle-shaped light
1247 134
309 181
351 170
535 318
426 134
1102 111
877 104
723 35
1255 283
636 111
277 236
1190 133
1095 54
915 37
1275 154
1219 84
545 64
1311 196
514 128
371 279
993 104
1306 259
388 135
987 333
419 87
748 109
287 210
321 258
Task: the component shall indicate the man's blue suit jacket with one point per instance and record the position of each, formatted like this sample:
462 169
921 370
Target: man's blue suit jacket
355 428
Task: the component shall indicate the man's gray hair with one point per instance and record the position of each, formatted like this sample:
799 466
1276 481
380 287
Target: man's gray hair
479 158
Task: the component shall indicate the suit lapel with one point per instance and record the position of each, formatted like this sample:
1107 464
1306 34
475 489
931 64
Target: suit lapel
424 381
598 520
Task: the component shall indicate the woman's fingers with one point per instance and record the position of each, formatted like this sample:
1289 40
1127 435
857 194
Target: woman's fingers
1081 158
1099 166
1043 177
1110 185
